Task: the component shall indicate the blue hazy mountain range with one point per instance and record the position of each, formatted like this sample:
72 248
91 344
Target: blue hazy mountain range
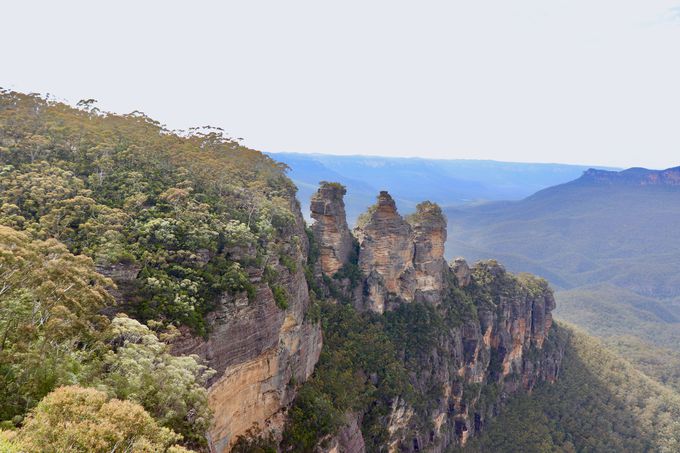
609 243
449 183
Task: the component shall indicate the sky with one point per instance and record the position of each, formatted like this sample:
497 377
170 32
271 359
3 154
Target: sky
593 82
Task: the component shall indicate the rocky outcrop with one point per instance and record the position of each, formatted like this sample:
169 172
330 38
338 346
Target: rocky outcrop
124 275
476 365
402 259
349 438
429 237
489 331
461 271
330 228
386 255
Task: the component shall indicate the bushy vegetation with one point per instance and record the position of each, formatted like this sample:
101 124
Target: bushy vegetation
53 335
139 367
122 189
76 419
49 322
85 193
358 371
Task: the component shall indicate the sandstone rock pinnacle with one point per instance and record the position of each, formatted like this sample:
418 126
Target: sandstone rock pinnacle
330 227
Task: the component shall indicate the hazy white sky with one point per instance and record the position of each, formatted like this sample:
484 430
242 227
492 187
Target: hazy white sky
578 81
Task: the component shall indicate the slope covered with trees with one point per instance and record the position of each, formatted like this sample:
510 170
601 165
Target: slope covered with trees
600 403
84 194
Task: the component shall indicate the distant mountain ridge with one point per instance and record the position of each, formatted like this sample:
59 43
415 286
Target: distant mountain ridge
633 176
448 182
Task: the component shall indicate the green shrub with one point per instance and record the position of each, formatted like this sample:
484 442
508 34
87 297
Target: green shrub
280 296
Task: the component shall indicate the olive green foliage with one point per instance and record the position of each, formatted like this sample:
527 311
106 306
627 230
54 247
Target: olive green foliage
358 371
280 296
255 441
82 190
140 368
490 284
49 321
641 329
123 189
417 328
600 403
75 419
335 185
51 334
426 211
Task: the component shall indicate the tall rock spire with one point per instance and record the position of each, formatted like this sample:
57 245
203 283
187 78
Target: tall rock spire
386 254
330 227
429 237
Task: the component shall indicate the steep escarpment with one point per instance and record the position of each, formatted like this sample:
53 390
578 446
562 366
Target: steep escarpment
203 241
260 346
601 403
465 337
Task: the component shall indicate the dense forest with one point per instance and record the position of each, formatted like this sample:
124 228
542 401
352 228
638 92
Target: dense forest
81 192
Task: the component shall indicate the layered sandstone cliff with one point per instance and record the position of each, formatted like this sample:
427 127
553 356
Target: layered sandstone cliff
487 338
259 348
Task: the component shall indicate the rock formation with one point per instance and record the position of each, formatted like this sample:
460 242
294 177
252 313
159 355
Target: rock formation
461 270
429 228
386 255
402 259
493 338
330 227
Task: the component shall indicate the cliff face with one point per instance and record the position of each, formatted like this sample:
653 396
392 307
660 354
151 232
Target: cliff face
258 348
493 347
486 334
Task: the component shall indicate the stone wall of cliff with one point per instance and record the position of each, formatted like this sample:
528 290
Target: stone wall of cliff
485 336
258 347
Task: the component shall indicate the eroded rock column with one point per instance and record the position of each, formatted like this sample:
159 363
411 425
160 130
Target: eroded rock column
429 237
330 227
386 254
